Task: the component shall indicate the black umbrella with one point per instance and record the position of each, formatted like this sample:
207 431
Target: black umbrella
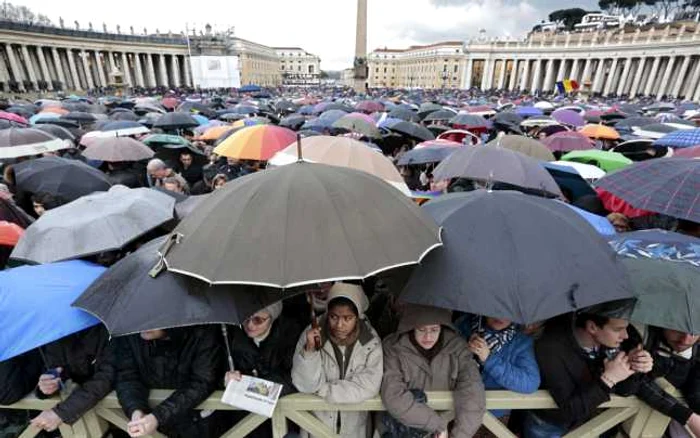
404 114
10 212
412 130
257 229
172 121
197 107
124 115
128 300
80 117
508 117
65 123
515 256
440 115
293 122
67 179
57 131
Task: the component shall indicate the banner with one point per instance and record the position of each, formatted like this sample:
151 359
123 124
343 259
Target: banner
215 71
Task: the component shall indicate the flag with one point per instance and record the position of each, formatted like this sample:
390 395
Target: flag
561 88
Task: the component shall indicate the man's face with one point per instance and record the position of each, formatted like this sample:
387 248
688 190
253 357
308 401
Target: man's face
612 334
342 321
186 159
679 341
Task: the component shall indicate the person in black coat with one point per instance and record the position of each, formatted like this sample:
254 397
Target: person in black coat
18 376
124 174
187 360
188 168
87 359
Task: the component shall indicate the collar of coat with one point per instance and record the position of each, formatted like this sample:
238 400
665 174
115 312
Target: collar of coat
364 337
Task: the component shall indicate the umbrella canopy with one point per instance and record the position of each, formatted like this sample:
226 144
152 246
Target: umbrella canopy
369 106
173 121
524 145
568 117
608 161
215 133
632 122
664 268
664 185
344 152
67 179
58 132
358 125
293 121
10 212
161 140
677 139
567 141
25 293
470 121
587 171
128 300
24 142
412 130
658 130
493 164
569 180
440 115
691 152
10 233
123 128
528 111
93 224
12 117
438 144
404 114
257 229
425 155
601 132
117 149
256 142
495 262
80 117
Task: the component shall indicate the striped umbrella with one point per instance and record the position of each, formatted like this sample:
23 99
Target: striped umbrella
259 142
250 121
680 139
215 132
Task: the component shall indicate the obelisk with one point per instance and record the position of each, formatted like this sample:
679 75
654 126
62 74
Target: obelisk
360 63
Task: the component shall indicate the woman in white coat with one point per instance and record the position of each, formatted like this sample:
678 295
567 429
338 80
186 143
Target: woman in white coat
341 360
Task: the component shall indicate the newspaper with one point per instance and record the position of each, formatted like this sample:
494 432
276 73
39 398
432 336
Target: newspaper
252 394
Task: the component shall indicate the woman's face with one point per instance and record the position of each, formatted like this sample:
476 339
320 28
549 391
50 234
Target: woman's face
258 324
219 183
342 321
39 209
427 335
498 324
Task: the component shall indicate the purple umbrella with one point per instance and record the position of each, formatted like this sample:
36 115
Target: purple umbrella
528 111
567 141
568 117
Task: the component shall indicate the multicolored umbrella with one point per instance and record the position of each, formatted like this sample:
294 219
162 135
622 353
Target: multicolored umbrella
608 161
256 142
250 121
215 133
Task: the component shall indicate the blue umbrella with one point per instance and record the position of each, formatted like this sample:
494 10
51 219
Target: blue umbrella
251 88
306 110
43 116
528 111
332 116
658 244
425 155
680 139
200 119
601 224
569 180
25 293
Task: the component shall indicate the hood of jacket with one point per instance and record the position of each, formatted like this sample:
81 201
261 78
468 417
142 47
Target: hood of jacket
415 315
351 292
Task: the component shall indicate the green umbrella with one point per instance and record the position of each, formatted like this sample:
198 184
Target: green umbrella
608 161
165 140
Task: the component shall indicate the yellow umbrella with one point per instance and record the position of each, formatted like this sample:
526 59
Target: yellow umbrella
601 132
215 133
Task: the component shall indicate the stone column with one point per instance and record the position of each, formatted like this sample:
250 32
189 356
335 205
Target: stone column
586 75
14 66
611 78
44 68
100 68
696 94
638 74
189 81
681 77
693 83
86 67
486 74
468 74
536 76
596 86
574 70
548 76
140 80
623 78
513 75
111 66
163 70
125 70
73 70
526 74
560 74
666 77
151 71
59 67
652 76
29 65
175 70
502 74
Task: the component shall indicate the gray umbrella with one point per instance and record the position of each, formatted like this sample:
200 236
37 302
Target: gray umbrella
515 256
300 224
96 223
116 149
496 164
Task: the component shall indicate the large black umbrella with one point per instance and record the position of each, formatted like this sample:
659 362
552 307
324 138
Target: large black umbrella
300 224
440 115
412 130
197 108
10 212
172 121
80 117
404 114
128 300
57 131
24 142
67 179
515 256
665 185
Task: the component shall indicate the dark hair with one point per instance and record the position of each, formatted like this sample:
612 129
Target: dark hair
342 301
47 200
583 318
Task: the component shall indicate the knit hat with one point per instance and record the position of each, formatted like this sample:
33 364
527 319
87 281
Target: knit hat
275 310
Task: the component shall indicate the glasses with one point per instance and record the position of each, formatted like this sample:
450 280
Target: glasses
256 320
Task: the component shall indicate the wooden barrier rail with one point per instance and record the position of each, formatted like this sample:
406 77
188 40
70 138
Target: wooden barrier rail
639 420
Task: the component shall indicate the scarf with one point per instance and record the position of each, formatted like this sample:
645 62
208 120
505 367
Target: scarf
496 340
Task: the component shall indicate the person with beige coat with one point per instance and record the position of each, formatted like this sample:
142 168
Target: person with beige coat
341 360
427 354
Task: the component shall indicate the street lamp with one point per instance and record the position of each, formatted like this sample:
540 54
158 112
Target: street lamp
445 75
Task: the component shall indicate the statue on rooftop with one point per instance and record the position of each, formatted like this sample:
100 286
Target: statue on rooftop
60 22
132 29
77 25
119 29
90 26
104 27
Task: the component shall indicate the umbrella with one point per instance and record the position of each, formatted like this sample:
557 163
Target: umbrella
524 145
425 155
678 139
601 224
600 132
201 120
438 144
215 133
404 114
608 161
293 121
128 300
440 115
10 233
528 111
497 262
470 121
568 117
256 142
569 180
158 140
197 108
257 229
632 122
538 121
369 106
664 269
413 130
493 164
587 171
58 132
658 130
123 128
664 185
10 212
567 141
250 121
24 142
358 125
250 88
93 224
332 116
174 121
125 115
641 149
185 206
344 152
117 149
691 152
12 117
27 292
80 117
67 179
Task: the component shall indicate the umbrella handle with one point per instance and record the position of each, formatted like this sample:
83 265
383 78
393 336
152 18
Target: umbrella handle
162 252
229 357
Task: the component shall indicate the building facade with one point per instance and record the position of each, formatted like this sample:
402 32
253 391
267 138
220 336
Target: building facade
298 68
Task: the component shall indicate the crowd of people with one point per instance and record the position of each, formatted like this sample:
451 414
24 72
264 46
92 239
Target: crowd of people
343 341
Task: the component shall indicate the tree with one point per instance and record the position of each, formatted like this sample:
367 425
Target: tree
24 15
619 6
665 8
568 16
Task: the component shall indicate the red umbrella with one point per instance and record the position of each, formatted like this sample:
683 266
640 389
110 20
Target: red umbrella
568 141
12 117
169 102
692 152
616 205
10 233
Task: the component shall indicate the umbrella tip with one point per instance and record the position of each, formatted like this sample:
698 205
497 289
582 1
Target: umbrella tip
300 158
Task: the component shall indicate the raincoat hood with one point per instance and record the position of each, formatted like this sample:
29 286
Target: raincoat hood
415 315
353 293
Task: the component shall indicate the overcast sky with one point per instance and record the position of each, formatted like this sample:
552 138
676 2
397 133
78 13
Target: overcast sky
323 27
